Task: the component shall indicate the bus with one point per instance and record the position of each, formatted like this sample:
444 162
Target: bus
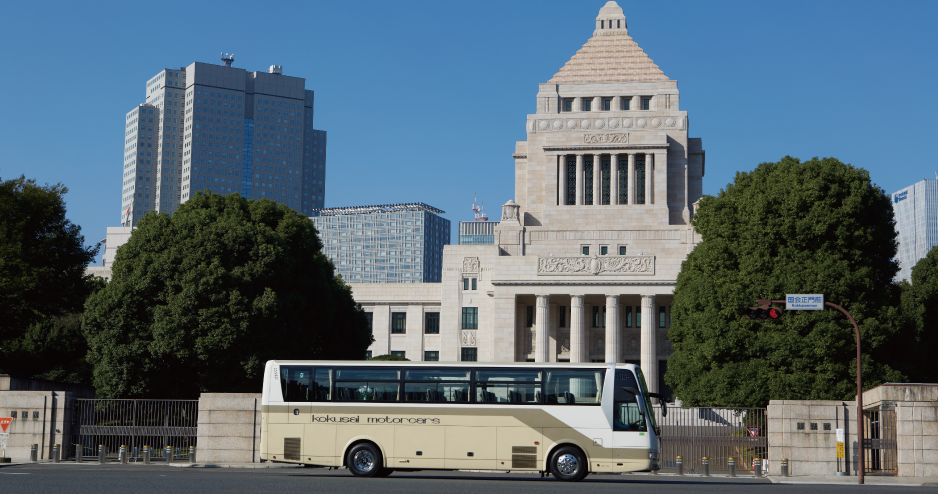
560 419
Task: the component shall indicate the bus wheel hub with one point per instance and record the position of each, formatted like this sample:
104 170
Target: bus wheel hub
363 460
566 464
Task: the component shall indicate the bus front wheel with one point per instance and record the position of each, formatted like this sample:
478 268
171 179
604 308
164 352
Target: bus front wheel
568 464
364 460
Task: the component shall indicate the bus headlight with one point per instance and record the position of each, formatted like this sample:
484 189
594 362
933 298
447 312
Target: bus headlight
653 455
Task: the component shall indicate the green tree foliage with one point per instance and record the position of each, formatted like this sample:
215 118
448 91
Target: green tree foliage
918 311
43 285
393 358
200 300
789 227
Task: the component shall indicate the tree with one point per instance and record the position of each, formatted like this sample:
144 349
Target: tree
42 281
789 227
388 357
200 300
918 312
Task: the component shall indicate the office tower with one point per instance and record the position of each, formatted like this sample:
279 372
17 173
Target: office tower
916 208
392 243
222 129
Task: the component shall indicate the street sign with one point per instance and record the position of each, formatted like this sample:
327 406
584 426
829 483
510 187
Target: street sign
753 430
5 423
840 449
840 435
803 301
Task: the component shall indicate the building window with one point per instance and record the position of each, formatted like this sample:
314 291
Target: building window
474 286
638 317
621 250
586 104
465 283
662 316
586 250
568 105
432 323
469 355
646 103
399 353
431 356
470 318
603 250
371 319
640 179
628 316
624 103
398 322
599 316
529 319
368 355
607 104
562 321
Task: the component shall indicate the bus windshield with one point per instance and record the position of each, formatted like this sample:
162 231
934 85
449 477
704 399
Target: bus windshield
651 411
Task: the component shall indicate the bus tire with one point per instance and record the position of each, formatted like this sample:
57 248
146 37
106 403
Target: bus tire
568 464
364 460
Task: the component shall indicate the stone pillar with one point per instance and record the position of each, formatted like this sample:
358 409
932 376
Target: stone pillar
660 180
649 343
542 328
631 184
597 180
649 182
577 329
612 328
579 180
613 179
562 181
597 104
577 104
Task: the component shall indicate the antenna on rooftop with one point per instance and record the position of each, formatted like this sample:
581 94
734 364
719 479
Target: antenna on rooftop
477 209
227 59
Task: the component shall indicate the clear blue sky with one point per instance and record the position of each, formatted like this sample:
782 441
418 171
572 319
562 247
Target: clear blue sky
423 101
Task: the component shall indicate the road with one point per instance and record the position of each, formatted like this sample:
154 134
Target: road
45 478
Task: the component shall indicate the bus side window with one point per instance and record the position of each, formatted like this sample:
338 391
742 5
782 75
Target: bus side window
575 387
322 386
295 383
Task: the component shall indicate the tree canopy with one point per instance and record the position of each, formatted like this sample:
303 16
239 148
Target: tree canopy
42 282
200 300
818 226
919 312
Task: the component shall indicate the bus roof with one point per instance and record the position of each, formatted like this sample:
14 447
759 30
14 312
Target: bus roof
448 364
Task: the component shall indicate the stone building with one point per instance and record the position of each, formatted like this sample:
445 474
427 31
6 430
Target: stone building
586 255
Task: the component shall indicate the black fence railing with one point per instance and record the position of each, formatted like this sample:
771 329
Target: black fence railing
716 433
135 424
880 446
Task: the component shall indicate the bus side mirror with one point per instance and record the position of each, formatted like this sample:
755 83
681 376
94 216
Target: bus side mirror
664 404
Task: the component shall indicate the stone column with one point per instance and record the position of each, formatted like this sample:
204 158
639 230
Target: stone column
613 179
649 343
579 180
631 191
562 181
660 180
597 104
542 329
577 331
649 182
612 328
597 180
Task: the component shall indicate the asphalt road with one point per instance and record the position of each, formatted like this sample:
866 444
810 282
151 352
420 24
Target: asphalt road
94 479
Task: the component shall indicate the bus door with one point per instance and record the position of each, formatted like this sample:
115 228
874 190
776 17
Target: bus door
630 432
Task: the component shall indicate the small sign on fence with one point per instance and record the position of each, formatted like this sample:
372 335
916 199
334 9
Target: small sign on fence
753 430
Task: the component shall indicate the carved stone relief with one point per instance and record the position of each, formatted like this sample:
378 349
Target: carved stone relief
596 265
470 264
510 211
469 337
528 341
664 344
564 339
606 138
633 343
597 343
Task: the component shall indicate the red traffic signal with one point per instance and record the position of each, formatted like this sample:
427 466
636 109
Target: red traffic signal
763 313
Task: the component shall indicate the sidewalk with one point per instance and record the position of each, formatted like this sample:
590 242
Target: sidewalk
852 480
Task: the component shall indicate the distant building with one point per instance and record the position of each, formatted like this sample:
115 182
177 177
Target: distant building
916 208
477 232
392 243
223 129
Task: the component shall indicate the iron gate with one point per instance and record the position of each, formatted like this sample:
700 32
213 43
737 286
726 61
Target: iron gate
716 433
134 423
879 440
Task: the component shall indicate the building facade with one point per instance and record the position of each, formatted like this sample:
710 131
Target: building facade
477 232
223 129
391 243
585 257
916 209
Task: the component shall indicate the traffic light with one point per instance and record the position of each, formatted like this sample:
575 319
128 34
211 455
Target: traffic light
763 312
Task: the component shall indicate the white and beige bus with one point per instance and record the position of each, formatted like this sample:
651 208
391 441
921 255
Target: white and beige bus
377 417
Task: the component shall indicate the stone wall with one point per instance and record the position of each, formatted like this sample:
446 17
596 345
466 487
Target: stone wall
229 428
917 438
805 432
42 417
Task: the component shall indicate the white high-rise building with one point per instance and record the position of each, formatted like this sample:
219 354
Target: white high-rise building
916 208
223 129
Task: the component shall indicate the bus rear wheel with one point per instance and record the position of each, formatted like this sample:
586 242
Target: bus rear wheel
568 464
364 460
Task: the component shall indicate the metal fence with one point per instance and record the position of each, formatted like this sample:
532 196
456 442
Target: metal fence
879 440
716 433
135 424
